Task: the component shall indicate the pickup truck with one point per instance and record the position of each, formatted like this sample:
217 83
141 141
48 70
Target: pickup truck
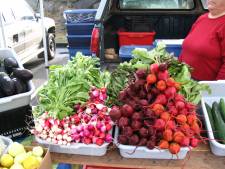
170 19
23 30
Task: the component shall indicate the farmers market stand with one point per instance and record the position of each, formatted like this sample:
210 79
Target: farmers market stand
200 157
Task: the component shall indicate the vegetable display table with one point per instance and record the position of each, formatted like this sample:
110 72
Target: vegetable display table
200 158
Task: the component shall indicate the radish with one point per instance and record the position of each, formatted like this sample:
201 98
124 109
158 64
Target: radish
127 131
174 148
99 141
108 138
185 142
170 92
142 142
163 75
161 99
127 110
179 105
141 73
194 142
122 139
159 124
136 125
154 68
133 140
123 121
164 144
143 132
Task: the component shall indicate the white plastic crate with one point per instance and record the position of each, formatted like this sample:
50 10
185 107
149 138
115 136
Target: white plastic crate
7 142
128 151
75 148
218 91
18 100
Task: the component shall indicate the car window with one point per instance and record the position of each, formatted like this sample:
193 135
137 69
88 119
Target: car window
204 4
156 4
22 10
7 15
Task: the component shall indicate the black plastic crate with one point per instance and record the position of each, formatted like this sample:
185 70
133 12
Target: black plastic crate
15 123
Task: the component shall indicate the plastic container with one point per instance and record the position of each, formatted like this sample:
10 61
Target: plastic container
128 151
79 41
18 100
125 52
84 51
80 15
79 28
14 123
75 148
7 142
136 38
98 167
218 91
172 45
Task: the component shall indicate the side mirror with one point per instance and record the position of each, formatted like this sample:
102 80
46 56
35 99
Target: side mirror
37 16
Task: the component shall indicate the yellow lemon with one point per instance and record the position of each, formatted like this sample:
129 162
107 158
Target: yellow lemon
17 166
16 149
31 162
6 160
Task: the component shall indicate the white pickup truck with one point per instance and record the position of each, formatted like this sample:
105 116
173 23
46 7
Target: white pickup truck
23 30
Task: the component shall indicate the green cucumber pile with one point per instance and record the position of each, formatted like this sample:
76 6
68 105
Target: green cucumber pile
216 115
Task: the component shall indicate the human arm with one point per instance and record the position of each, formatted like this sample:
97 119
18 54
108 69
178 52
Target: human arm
221 73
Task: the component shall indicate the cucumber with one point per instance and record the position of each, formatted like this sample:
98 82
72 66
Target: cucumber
222 108
218 122
209 111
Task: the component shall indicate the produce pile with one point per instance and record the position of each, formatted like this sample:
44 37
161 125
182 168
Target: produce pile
91 124
18 158
180 72
68 85
216 115
13 80
154 114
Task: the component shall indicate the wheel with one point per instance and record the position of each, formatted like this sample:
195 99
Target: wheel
51 45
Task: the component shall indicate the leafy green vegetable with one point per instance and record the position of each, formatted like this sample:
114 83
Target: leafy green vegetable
118 81
70 84
191 89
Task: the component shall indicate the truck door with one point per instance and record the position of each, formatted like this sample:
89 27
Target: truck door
14 33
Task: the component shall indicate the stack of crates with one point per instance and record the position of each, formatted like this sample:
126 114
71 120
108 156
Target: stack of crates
79 25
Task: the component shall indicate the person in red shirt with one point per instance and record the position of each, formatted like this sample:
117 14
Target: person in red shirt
204 47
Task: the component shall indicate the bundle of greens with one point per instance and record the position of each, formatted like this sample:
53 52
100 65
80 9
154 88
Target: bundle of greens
69 85
143 58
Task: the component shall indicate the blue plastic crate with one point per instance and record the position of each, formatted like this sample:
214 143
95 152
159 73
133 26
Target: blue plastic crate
176 49
79 28
84 51
79 41
80 15
125 52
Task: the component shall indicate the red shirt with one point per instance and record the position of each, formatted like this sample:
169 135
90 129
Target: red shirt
204 48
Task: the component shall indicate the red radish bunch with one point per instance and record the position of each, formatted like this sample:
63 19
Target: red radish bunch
155 114
90 125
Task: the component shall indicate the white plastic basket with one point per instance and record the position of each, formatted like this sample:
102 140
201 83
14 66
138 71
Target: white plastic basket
7 141
18 100
128 151
75 148
218 91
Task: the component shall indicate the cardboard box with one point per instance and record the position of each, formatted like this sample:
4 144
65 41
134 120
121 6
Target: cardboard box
47 161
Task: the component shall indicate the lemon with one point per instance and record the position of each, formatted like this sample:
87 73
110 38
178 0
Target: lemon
31 162
16 166
20 158
16 149
6 160
38 151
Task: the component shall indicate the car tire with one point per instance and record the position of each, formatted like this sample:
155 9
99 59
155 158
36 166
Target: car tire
51 45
